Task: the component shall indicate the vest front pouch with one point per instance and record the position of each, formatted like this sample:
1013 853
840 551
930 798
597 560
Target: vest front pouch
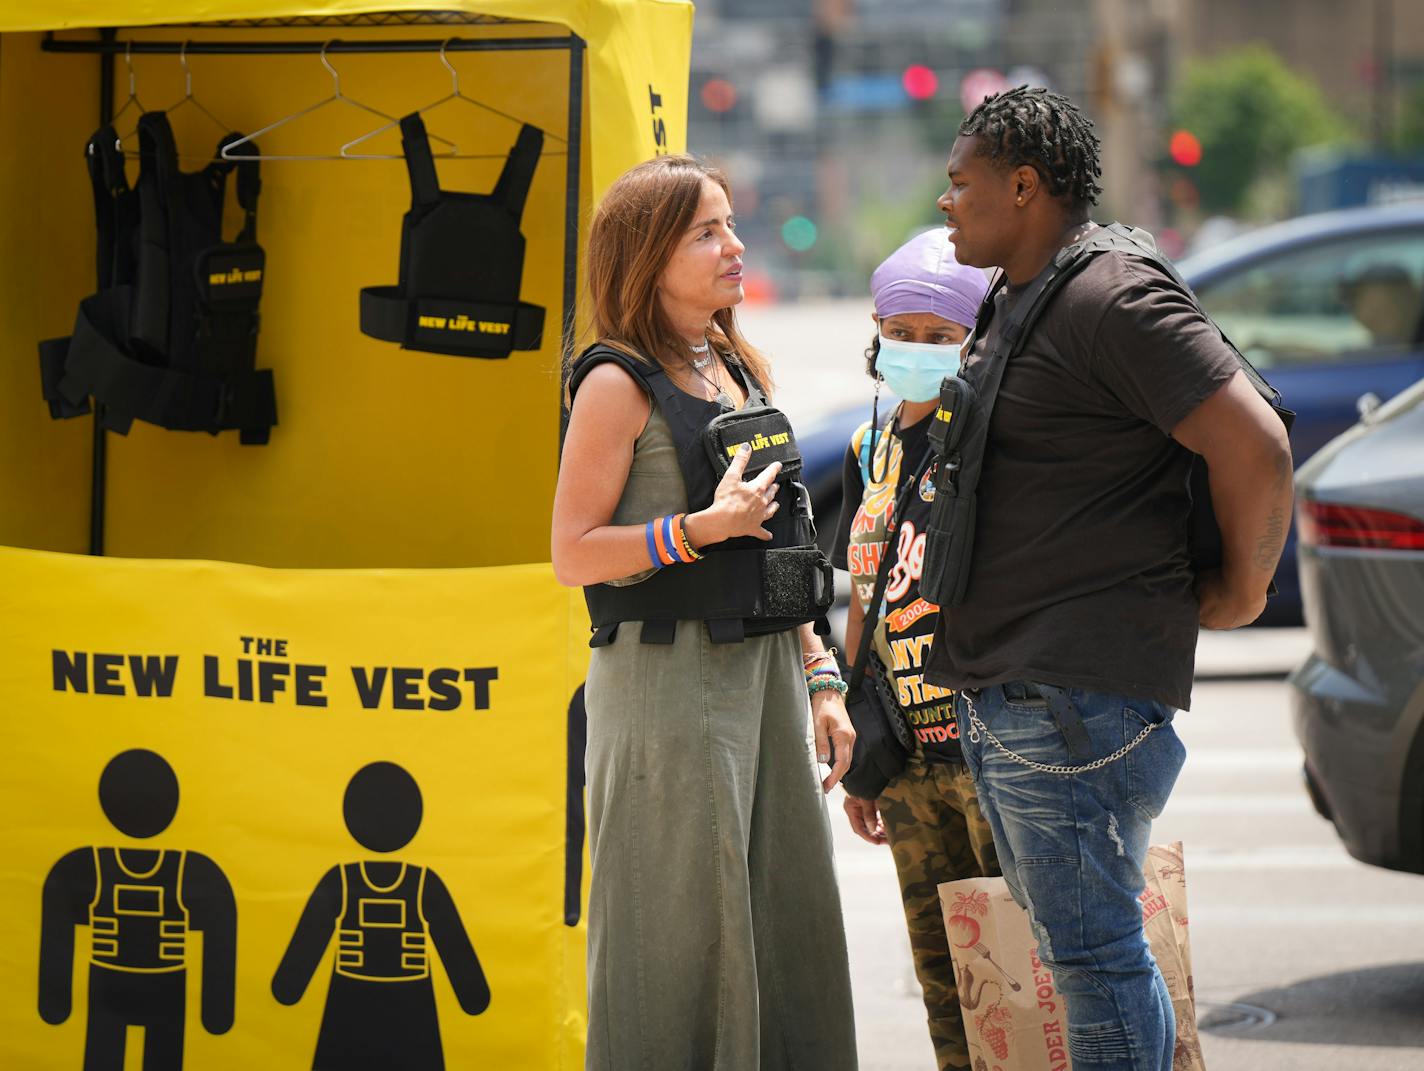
765 429
768 432
462 261
949 539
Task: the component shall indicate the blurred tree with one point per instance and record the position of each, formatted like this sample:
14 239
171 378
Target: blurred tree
1409 138
1250 113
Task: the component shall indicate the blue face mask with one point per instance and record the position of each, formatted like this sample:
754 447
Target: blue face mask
913 370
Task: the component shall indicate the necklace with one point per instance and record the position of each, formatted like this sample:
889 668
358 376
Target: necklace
704 361
722 399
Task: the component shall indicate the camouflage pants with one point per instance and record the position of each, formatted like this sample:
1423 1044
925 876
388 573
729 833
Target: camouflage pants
937 834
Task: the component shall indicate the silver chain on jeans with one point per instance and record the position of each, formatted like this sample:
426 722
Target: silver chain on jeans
976 727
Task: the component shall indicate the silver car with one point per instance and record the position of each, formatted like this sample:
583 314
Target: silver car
1359 698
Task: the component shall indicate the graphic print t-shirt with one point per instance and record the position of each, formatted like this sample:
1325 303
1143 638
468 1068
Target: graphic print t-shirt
907 622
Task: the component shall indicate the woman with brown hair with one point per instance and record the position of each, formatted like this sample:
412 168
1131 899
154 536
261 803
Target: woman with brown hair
715 934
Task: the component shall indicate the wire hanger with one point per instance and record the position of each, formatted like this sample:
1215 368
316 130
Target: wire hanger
129 142
337 97
454 94
132 100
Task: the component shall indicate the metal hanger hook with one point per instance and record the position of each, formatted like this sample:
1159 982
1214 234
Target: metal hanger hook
335 75
454 74
187 73
128 62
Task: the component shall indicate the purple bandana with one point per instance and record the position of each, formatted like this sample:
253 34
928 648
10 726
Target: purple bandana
923 276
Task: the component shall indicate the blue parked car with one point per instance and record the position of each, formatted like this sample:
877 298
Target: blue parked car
1329 307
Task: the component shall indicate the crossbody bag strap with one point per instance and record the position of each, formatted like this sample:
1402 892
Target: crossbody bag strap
882 576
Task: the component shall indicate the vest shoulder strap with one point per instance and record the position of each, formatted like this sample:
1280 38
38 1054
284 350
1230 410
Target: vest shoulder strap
249 180
158 152
1113 238
109 182
512 189
600 353
650 375
158 192
419 162
756 393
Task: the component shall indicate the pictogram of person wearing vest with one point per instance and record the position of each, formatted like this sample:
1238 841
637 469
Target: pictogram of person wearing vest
140 905
390 919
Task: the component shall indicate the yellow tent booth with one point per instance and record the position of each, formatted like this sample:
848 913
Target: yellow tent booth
292 737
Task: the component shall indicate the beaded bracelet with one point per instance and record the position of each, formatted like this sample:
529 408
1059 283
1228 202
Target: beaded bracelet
816 656
826 684
690 552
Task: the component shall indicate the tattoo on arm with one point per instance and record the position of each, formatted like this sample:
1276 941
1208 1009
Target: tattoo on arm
1271 542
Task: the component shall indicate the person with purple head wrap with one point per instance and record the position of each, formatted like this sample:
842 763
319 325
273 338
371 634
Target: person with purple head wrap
925 307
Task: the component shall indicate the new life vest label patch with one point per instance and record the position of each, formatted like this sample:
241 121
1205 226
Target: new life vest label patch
766 430
452 324
463 323
231 272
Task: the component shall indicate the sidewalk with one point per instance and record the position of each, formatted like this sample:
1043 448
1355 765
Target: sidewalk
1251 652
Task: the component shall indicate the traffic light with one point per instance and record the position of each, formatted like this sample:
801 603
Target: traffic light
920 82
1185 149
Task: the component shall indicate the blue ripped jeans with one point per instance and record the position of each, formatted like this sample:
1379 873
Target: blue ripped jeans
1072 849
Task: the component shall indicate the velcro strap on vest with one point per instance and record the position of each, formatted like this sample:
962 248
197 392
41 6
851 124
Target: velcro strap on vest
731 590
454 327
170 398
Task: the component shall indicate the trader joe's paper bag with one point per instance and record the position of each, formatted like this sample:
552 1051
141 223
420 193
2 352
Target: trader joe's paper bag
1014 1017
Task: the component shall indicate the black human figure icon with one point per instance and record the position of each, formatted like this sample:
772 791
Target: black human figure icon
387 915
140 903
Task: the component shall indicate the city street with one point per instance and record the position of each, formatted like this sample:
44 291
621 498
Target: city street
1305 960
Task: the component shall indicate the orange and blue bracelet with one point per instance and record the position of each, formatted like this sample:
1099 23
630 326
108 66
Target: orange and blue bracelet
667 542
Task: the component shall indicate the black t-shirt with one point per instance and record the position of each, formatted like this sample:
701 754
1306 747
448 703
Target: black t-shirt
1080 575
906 622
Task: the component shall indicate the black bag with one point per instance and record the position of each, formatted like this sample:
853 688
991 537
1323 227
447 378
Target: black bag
882 736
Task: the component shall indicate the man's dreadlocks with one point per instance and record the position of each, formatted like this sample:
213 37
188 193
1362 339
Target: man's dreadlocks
1044 131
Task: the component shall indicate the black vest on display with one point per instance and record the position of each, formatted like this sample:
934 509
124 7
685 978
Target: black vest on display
461 261
170 337
742 587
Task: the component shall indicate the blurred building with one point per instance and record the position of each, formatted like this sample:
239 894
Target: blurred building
834 118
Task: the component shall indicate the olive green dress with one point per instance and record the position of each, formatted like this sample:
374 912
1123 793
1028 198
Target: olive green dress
715 933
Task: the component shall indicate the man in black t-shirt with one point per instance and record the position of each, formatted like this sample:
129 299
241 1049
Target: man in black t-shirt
1075 640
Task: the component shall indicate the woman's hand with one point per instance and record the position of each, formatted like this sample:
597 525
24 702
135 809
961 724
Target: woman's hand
739 508
865 819
833 730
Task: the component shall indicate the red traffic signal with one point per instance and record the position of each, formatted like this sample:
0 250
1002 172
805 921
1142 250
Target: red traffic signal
1185 149
920 82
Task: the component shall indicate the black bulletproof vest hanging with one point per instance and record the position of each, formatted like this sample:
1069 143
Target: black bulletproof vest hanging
461 262
742 587
171 335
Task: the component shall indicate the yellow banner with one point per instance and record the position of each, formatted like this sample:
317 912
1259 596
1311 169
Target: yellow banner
288 819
